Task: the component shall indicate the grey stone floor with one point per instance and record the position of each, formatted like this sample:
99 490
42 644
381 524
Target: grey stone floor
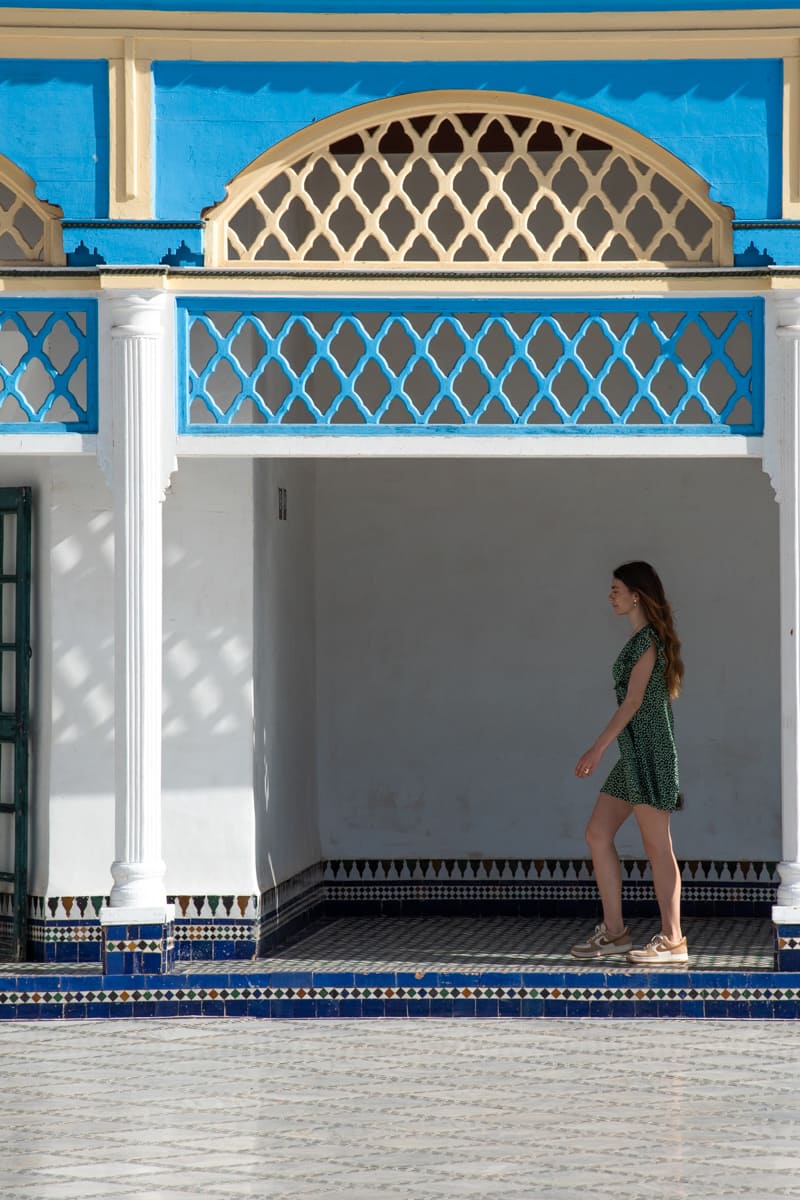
385 1110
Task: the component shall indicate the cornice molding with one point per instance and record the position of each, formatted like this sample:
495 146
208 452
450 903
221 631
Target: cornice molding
247 36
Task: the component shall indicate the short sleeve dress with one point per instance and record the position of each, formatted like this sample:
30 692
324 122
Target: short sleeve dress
647 771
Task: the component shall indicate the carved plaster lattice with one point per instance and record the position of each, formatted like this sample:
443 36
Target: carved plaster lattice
684 366
468 187
29 228
48 365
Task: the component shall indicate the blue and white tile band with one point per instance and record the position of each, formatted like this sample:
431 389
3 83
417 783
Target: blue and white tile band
591 994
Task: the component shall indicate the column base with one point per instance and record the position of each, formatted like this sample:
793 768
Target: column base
138 941
786 918
786 924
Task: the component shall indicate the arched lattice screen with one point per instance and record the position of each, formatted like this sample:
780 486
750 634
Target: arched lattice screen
467 180
29 229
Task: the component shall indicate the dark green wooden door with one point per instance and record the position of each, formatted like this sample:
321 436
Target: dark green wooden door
15 652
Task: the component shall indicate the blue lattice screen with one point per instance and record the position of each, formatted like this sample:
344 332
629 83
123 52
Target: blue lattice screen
48 366
618 367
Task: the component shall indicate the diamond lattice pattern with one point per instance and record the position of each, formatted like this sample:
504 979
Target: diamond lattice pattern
466 189
46 368
662 366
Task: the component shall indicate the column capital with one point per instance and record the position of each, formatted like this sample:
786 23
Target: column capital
138 314
141 325
787 312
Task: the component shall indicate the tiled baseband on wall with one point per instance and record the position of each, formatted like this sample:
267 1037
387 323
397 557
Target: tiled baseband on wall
225 927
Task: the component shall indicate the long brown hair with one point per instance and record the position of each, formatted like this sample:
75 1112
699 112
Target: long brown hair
640 577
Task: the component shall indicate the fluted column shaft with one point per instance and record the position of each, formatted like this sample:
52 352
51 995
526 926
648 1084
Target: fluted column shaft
138 338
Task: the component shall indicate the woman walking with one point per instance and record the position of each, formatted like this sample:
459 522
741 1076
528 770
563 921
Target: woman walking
647 677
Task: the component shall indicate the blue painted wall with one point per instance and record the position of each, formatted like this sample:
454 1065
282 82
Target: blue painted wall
722 118
54 125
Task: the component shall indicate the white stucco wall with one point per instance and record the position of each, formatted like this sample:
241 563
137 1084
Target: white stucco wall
208 679
208 824
464 647
430 643
284 767
73 743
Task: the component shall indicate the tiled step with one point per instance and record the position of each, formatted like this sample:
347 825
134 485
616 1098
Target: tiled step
401 994
416 967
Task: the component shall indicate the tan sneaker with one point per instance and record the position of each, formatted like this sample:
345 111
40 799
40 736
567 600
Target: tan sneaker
602 945
659 951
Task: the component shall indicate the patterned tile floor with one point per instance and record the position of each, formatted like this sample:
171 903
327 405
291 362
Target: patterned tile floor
471 945
478 944
385 1110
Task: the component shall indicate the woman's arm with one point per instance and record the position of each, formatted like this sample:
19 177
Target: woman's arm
637 686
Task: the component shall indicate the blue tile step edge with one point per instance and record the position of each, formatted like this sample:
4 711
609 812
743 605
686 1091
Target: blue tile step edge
674 993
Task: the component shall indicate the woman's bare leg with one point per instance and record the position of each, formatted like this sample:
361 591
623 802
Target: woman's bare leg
657 840
609 814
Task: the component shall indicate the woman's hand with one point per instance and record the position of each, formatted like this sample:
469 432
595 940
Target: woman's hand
587 763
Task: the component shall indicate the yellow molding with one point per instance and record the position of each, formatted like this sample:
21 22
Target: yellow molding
467 47
130 95
535 287
135 21
248 38
46 285
791 141
537 291
127 168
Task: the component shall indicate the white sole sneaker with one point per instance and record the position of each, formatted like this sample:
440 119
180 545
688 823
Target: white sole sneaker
658 952
600 945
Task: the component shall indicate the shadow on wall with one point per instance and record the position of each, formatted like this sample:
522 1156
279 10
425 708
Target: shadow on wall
206 699
207 696
207 682
207 672
83 641
73 817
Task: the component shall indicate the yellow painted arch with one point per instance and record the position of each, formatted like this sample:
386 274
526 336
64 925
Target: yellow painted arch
318 137
49 249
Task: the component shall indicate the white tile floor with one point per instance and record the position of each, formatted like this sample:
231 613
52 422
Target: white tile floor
383 1110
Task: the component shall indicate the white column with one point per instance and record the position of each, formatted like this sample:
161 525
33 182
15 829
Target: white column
787 487
141 345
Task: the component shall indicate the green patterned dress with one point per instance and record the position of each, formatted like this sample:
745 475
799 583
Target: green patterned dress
647 771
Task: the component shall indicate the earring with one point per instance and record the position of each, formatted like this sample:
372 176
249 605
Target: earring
636 602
